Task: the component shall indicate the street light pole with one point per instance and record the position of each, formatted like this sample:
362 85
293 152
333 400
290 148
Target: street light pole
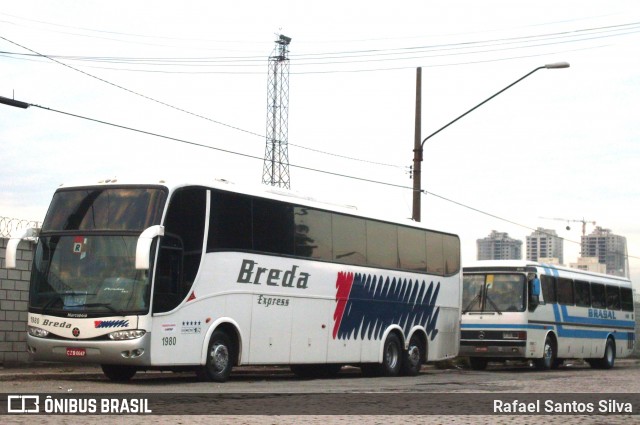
419 149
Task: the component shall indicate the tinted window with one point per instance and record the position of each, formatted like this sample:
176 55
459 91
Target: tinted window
382 244
230 225
435 256
313 233
582 293
613 297
349 239
564 292
548 289
451 251
598 298
105 209
180 248
273 227
412 249
626 299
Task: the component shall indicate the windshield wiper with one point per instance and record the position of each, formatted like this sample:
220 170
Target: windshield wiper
468 307
495 307
108 306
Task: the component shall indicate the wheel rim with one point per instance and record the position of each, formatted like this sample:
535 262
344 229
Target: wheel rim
413 355
391 356
219 357
548 353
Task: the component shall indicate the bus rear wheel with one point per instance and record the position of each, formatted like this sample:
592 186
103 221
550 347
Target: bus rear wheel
220 358
412 357
391 359
118 373
608 359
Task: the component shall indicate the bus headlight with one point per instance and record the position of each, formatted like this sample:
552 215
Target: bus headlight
514 335
40 333
131 334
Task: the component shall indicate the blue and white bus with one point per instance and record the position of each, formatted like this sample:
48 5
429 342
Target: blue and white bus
206 276
519 310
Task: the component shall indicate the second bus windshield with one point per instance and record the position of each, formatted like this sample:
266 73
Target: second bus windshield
485 292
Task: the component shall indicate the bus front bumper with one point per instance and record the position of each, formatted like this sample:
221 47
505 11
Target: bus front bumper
494 349
133 352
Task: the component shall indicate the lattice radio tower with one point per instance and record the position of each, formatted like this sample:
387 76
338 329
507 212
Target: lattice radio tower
276 154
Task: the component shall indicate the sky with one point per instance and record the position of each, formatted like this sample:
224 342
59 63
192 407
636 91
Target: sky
559 147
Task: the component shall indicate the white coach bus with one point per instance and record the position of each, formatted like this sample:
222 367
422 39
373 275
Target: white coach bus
517 310
206 277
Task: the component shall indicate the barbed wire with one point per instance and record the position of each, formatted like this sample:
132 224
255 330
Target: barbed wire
8 225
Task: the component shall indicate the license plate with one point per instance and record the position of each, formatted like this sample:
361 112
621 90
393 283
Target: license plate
76 352
482 349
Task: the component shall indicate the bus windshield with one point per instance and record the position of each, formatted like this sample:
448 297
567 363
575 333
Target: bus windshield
85 258
493 293
88 274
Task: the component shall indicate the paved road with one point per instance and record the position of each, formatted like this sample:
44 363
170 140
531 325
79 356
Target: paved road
327 399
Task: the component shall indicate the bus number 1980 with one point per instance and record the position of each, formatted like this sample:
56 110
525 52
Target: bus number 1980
169 340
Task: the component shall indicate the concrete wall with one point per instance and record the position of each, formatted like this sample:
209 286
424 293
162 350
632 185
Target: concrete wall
14 294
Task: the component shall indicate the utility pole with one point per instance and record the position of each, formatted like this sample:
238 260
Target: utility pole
276 154
417 149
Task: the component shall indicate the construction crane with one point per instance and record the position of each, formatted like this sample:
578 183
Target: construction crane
583 221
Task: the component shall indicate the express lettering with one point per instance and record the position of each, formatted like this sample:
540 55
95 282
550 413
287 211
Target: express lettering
250 273
47 322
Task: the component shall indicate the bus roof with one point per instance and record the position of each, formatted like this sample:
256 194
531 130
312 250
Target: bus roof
261 191
523 264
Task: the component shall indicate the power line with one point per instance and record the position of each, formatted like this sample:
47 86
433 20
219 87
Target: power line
306 168
184 110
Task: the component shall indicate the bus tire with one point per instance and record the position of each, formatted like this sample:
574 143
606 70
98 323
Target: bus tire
478 363
412 357
391 359
220 358
549 355
608 359
118 373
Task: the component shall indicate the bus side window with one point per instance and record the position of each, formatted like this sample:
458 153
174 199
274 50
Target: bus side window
564 288
598 299
626 298
181 249
548 289
582 292
613 297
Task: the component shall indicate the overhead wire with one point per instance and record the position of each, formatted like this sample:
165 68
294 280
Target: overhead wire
190 112
306 168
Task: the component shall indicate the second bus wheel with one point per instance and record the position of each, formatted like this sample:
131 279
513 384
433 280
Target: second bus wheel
412 357
220 358
391 359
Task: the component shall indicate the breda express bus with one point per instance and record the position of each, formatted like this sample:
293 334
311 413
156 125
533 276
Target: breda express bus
209 276
521 310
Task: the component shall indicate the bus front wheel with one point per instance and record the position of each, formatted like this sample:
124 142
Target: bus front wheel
118 373
549 355
220 358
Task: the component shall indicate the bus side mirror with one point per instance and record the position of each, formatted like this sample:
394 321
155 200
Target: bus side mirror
534 296
144 246
18 236
535 287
